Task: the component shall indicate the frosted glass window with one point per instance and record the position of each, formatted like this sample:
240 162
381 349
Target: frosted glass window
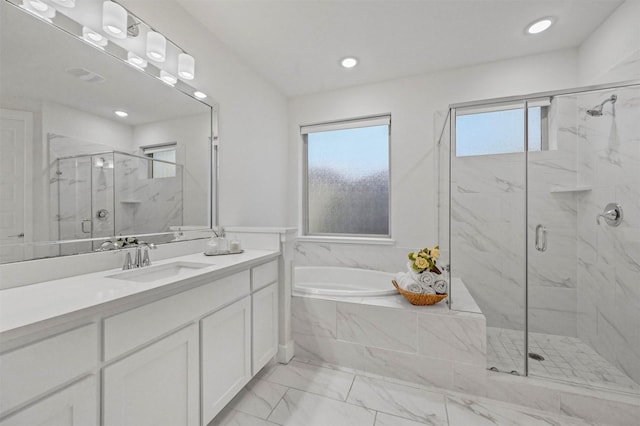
499 132
347 181
159 169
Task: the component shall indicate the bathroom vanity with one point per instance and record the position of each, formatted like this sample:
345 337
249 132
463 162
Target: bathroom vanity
171 346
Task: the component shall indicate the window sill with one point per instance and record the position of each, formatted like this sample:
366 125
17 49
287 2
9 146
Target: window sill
347 240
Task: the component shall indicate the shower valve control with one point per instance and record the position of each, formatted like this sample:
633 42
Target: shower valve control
612 214
102 214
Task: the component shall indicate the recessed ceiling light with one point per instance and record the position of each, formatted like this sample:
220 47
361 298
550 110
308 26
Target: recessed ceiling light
198 94
349 62
121 113
539 26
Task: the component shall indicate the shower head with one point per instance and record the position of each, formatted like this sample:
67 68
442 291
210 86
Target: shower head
597 110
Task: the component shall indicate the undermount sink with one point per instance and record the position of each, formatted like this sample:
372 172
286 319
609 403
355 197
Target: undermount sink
158 272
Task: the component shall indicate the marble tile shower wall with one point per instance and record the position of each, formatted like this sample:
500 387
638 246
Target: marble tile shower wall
488 223
145 205
609 257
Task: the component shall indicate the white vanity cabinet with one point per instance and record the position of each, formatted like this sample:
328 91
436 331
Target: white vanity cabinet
176 357
264 301
265 326
75 405
226 356
31 374
157 385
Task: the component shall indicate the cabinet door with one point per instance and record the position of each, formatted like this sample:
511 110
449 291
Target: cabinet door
76 405
157 385
265 326
226 356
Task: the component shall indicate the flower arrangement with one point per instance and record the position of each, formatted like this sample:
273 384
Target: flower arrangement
425 260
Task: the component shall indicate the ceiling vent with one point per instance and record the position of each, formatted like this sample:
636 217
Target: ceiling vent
86 75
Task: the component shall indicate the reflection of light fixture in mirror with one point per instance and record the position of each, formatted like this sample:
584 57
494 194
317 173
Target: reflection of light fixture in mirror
156 46
40 9
198 94
114 19
66 3
99 162
186 66
170 79
120 113
93 37
136 60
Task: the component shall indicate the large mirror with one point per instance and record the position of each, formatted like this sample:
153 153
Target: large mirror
72 172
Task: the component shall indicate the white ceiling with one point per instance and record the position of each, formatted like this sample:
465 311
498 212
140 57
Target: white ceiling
297 44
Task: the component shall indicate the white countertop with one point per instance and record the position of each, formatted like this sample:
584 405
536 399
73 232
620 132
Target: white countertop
88 294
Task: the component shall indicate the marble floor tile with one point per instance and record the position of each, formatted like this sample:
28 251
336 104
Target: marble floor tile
399 400
310 378
383 419
258 398
470 411
299 408
238 418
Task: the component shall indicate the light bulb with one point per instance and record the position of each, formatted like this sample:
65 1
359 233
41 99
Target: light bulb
349 62
539 26
156 46
93 37
114 19
136 60
186 66
170 79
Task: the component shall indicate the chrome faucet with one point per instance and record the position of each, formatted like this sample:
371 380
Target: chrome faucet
141 259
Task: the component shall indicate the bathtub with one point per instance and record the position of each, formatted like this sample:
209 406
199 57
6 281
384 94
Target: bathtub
343 282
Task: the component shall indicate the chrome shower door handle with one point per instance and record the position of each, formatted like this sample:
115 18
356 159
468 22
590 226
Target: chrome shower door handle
84 228
541 238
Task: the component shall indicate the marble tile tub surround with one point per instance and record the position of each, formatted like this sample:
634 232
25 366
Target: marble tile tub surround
378 257
427 345
319 395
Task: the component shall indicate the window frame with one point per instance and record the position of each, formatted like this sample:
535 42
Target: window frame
543 103
351 123
149 150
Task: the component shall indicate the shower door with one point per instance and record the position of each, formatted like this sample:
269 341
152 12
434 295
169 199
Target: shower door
583 262
487 225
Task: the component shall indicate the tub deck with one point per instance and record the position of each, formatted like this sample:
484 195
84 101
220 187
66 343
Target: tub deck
431 345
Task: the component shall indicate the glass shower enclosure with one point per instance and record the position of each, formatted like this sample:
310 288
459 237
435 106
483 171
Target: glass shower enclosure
113 193
543 218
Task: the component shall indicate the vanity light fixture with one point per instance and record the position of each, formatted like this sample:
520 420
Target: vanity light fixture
539 26
66 3
348 62
136 60
121 113
114 19
170 79
198 94
94 37
40 9
99 162
186 66
156 46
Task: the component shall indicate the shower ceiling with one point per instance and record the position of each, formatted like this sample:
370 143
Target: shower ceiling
298 44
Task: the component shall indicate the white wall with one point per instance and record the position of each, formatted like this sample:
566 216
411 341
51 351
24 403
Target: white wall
413 102
615 44
253 119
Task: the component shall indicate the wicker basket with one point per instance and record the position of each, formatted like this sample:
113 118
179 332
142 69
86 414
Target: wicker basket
419 299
